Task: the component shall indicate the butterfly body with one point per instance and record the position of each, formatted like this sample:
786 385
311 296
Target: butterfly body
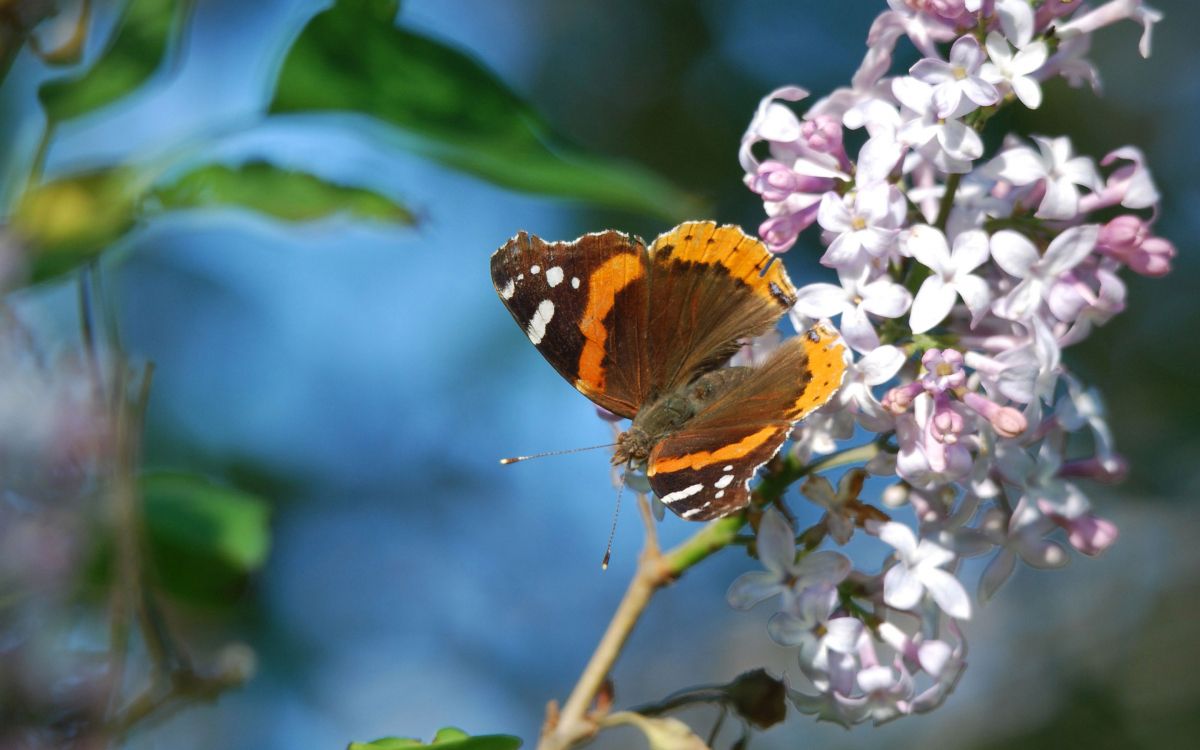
645 332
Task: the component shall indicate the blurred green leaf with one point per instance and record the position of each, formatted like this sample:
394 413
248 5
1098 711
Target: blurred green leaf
281 193
353 58
448 738
136 50
204 537
72 219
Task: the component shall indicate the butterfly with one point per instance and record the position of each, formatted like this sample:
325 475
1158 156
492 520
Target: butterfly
646 332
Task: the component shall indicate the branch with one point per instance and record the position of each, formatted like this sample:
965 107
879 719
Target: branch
655 570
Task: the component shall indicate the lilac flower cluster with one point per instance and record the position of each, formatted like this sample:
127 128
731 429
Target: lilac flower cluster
962 276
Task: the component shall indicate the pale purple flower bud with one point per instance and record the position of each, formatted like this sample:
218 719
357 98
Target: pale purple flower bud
1123 233
780 232
1110 13
1086 532
944 370
953 12
947 423
1153 258
899 399
1111 470
1127 239
1005 420
823 134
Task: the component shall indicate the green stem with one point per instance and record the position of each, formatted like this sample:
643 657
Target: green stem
947 203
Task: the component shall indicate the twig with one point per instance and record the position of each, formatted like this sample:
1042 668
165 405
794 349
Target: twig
574 723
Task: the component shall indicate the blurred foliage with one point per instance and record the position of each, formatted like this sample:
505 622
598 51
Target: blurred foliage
135 51
72 219
447 738
204 538
279 193
353 58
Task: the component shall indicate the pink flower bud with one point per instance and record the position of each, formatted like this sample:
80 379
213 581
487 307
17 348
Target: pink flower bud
1005 420
1153 257
823 134
1122 234
899 399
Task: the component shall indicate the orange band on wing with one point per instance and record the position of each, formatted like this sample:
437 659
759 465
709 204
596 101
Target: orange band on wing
604 284
741 256
705 458
826 366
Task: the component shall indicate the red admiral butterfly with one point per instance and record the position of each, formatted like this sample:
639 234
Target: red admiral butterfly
644 332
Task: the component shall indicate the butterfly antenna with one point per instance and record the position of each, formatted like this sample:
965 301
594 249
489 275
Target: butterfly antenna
515 459
612 532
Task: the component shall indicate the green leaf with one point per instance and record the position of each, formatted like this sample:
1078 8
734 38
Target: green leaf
136 50
204 537
448 738
281 193
72 219
453 109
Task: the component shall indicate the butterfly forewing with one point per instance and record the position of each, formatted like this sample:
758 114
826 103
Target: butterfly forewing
704 470
583 304
708 292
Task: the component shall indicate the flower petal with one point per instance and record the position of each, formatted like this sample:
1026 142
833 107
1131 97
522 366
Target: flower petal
881 365
824 568
753 587
776 543
1013 252
933 303
901 588
948 592
821 300
842 634
996 573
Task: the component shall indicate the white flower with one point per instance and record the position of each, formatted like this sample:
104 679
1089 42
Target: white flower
783 575
853 300
807 624
867 219
1055 165
951 277
877 367
1014 70
1024 536
1014 253
957 85
919 570
946 142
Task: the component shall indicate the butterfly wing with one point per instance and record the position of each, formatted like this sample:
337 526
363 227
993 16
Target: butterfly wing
708 292
583 304
704 470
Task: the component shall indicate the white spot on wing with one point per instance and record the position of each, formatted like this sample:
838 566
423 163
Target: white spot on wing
539 321
574 282
554 276
509 289
723 482
720 495
728 468
681 494
693 511
535 269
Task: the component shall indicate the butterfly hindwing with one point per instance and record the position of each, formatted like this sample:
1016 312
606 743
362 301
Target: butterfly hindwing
583 305
704 469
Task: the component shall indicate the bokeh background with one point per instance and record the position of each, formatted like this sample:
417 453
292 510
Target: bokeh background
362 378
